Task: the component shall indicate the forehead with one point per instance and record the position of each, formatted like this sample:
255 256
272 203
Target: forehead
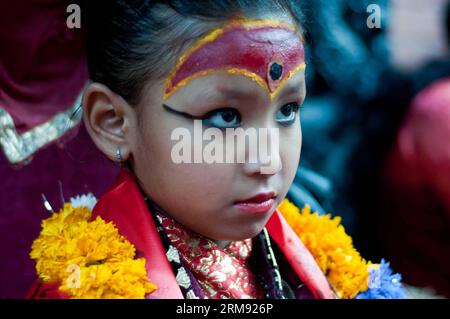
222 89
268 52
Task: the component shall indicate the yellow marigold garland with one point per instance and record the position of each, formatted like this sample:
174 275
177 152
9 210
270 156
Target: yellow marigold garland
88 259
105 266
326 239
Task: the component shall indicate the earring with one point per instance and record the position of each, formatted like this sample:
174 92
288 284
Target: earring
119 158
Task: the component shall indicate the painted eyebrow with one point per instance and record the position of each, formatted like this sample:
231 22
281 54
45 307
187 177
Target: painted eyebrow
187 115
180 113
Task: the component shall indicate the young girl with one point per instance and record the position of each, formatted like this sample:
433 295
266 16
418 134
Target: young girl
197 228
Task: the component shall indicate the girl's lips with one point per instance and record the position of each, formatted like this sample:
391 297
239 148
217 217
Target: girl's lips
260 203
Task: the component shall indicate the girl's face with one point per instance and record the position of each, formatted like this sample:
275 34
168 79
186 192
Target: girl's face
203 196
208 197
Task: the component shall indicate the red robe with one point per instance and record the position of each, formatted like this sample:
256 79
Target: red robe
124 205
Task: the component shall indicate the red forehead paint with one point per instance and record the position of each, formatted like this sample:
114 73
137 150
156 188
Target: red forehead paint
266 51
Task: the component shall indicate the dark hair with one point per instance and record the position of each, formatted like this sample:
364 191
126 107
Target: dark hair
130 42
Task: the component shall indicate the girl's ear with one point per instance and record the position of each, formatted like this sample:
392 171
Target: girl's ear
108 118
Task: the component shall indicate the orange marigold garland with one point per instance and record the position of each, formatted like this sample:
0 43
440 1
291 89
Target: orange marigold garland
331 247
88 258
347 272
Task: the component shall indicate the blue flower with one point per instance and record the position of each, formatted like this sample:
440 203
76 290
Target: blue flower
383 284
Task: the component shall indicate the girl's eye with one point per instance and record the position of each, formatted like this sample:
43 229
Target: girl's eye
286 115
223 118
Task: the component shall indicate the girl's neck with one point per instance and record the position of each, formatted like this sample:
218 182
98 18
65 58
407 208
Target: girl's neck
222 243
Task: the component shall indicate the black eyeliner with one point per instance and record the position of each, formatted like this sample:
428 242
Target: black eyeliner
183 114
193 117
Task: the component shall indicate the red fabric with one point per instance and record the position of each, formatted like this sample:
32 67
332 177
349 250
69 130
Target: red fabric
416 223
135 223
45 291
300 259
222 272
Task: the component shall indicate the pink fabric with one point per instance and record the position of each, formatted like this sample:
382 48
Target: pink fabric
42 65
79 166
416 227
42 71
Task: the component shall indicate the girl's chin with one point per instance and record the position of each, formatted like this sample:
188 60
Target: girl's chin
242 232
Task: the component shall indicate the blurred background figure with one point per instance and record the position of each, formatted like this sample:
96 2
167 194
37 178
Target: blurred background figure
376 127
416 197
362 82
415 221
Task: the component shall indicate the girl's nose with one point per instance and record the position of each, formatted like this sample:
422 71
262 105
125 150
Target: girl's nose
265 159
